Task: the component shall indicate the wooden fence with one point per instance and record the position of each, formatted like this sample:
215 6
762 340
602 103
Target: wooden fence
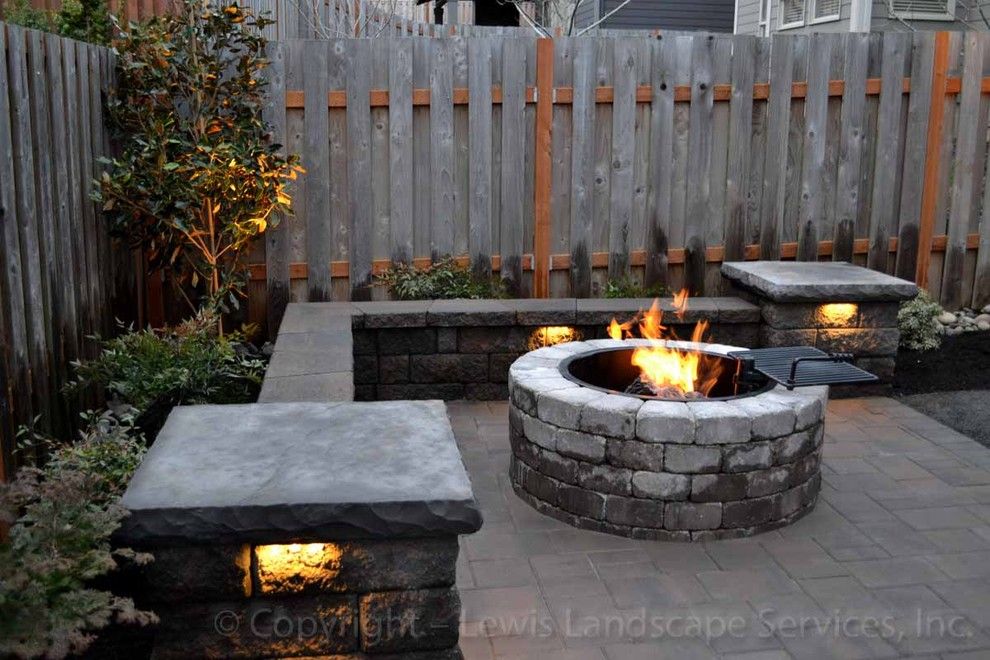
60 279
560 163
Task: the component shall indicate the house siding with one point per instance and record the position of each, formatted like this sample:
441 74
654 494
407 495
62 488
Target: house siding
967 14
587 13
706 15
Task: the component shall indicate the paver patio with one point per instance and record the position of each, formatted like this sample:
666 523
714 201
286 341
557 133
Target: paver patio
893 562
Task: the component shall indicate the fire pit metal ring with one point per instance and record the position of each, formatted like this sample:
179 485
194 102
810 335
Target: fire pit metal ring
661 469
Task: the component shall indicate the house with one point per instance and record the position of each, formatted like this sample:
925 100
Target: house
766 17
704 15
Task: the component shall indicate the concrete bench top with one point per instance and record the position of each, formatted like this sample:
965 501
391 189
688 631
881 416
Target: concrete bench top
301 471
809 281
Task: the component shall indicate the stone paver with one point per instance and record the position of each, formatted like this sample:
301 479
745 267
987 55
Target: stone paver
893 563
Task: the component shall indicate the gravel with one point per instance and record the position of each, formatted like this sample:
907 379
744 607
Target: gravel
965 411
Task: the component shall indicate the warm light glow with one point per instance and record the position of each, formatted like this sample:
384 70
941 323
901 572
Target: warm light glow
670 372
297 566
551 335
838 314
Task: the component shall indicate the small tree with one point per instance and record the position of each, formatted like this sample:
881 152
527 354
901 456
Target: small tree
197 177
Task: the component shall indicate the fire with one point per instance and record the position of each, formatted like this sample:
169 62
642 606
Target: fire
668 372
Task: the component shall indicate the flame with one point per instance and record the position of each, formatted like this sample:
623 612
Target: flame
670 372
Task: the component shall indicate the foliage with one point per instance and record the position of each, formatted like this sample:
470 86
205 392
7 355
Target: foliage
441 280
63 516
627 287
918 323
85 20
197 178
155 370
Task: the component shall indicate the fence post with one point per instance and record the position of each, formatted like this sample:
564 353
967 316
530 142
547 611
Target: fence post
929 194
543 168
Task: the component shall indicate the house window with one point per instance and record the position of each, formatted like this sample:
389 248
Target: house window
791 13
924 10
824 10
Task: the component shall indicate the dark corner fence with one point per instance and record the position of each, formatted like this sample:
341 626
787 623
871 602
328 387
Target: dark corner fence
61 278
554 164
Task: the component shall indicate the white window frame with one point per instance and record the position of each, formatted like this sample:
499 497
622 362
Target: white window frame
796 24
825 19
949 15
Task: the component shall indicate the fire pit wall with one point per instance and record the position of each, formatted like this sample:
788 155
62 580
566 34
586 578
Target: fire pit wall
667 470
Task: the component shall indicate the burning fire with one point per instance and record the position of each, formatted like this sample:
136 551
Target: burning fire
669 373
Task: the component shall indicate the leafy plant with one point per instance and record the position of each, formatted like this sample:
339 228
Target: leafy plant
627 287
85 20
155 370
917 320
63 516
441 280
197 178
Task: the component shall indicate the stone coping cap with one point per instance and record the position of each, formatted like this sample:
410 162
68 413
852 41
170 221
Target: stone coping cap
284 472
808 281
323 317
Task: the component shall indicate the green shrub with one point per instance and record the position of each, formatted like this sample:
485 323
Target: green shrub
62 518
917 321
155 370
441 280
627 287
85 20
196 177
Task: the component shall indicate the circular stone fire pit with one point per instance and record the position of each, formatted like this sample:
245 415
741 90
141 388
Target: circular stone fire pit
743 461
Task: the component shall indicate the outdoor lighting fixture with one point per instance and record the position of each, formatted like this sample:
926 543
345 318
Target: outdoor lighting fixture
838 314
551 335
298 566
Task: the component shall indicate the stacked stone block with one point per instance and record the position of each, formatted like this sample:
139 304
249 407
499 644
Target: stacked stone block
366 598
836 307
666 470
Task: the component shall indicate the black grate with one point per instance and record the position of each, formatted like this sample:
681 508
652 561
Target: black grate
801 366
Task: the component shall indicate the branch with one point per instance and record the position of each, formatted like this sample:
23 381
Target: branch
540 30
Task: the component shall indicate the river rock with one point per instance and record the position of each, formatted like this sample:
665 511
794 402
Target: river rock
946 318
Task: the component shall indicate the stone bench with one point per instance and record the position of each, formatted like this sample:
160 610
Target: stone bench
302 529
450 349
836 306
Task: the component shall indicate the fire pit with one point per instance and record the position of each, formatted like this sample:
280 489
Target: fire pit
662 439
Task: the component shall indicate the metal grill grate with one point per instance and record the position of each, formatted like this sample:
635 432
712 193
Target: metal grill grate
801 366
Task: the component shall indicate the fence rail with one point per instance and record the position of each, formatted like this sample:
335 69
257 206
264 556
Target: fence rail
60 279
559 164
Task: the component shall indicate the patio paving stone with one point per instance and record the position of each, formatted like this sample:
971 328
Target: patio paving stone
901 531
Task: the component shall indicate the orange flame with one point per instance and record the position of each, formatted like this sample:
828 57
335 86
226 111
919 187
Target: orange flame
670 372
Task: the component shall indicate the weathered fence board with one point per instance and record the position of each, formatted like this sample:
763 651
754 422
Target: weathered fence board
58 268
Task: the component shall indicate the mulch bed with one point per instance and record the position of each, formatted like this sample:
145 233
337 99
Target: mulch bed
962 363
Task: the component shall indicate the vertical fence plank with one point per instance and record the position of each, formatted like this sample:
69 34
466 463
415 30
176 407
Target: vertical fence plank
623 151
381 236
50 273
929 198
775 169
462 148
912 179
968 126
27 221
359 166
813 162
422 195
340 194
699 161
480 165
884 199
661 161
582 166
513 155
400 120
85 177
543 168
277 237
13 331
740 130
560 149
316 161
441 150
847 196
